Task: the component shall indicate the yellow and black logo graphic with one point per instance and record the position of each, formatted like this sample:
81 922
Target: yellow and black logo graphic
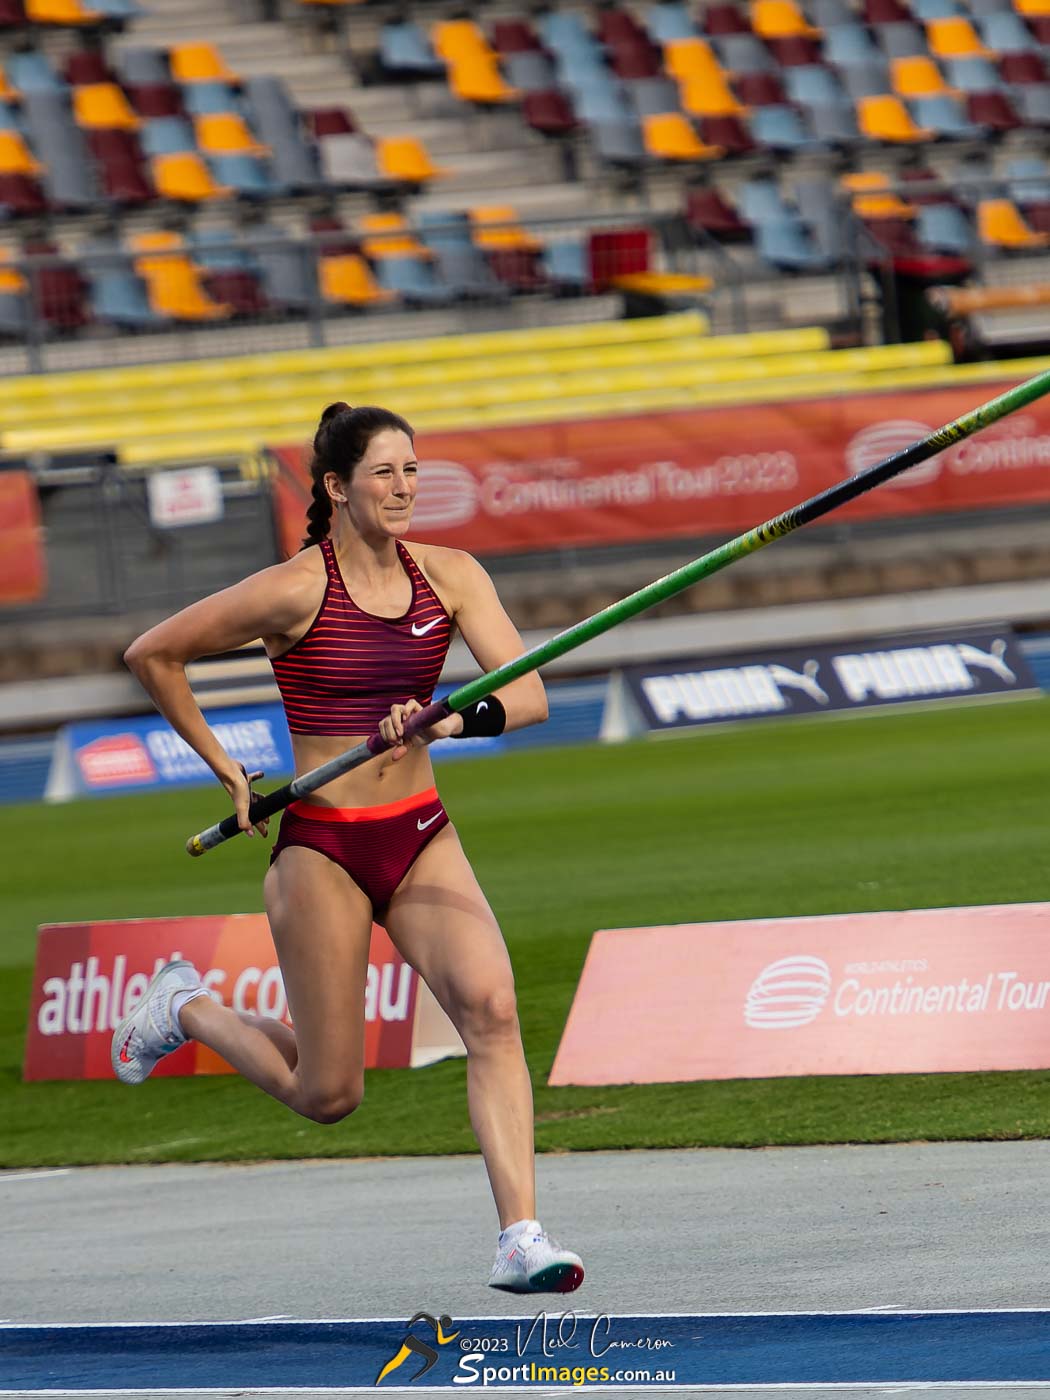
413 1345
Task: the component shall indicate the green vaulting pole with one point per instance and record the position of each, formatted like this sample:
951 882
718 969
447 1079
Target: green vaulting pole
647 597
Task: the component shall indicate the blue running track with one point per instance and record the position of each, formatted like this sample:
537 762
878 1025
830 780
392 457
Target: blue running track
744 1349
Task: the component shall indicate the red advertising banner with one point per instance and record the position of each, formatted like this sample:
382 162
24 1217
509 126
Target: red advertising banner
698 471
23 570
89 976
895 993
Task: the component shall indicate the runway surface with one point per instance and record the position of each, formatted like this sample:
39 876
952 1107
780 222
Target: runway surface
847 1230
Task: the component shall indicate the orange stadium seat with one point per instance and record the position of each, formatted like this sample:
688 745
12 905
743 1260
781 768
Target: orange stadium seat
15 156
172 282
780 19
1000 223
346 278
872 199
917 76
453 39
389 236
199 63
11 280
7 92
185 175
671 136
60 12
497 226
406 158
691 58
886 118
709 96
225 133
103 106
1033 9
954 37
476 78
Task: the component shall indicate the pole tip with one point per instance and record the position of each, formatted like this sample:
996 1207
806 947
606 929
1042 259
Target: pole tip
194 847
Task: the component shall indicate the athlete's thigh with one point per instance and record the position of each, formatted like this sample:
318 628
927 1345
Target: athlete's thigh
322 925
441 923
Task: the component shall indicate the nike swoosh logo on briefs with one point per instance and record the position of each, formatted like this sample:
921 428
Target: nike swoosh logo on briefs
429 821
418 631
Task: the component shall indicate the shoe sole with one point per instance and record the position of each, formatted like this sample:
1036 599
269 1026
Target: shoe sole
556 1278
122 1030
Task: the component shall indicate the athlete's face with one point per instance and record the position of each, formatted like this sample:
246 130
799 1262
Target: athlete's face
382 489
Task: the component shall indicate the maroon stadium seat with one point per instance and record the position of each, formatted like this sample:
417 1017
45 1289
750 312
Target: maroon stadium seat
239 288
993 110
921 175
706 210
514 36
549 113
759 90
1038 216
329 121
636 60
618 27
724 19
795 51
59 290
156 99
618 252
1040 27
727 132
12 14
519 268
886 12
85 66
1022 68
22 194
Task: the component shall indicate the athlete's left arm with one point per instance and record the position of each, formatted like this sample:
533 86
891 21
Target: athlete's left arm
489 633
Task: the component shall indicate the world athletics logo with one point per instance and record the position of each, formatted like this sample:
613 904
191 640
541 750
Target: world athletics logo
790 992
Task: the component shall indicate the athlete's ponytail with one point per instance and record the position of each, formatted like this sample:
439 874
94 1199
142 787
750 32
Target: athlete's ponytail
340 442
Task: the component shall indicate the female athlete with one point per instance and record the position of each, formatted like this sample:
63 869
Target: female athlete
357 626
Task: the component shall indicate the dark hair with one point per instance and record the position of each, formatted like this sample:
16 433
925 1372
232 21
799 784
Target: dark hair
340 442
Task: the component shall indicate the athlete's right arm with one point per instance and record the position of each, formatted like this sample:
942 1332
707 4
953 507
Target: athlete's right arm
276 603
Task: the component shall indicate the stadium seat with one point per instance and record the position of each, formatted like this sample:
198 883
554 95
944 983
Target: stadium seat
293 160
849 44
565 32
916 77
1033 103
926 10
790 247
744 53
498 227
1029 178
184 176
813 86
973 75
615 26
68 174
208 99
943 228
476 78
727 132
103 106
567 265
60 12
780 19
413 280
760 202
15 156
405 159
867 80
669 19
651 96
780 129
531 71
388 236
86 66
691 58
350 161
454 38
225 133
1006 32
119 297
794 51
12 14
887 119
21 194
1022 68
7 92
57 289
671 136
835 126
709 96
30 72
156 99
822 212
514 36
872 198
550 113
762 89
329 121
120 158
946 117
165 136
619 143
707 211
405 50
903 41
632 61
1033 9
954 38
442 226
243 174
1001 225
879 12
347 280
993 111
143 66
199 63
724 18
173 282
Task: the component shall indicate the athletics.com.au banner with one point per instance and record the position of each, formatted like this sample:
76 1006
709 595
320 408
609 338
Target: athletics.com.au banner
822 679
88 977
696 471
890 993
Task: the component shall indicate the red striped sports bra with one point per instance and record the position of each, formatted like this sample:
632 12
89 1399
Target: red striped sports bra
350 666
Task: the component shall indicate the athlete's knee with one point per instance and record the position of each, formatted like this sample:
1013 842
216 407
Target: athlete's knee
331 1103
489 1015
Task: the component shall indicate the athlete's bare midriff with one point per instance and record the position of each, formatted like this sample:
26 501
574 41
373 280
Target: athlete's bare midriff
378 781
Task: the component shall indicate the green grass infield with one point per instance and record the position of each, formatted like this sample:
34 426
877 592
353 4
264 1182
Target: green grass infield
936 806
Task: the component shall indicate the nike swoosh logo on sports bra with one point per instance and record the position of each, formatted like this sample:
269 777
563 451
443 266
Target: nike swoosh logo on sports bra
429 822
418 631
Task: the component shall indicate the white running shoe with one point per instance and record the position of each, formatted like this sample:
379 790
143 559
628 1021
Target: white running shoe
532 1262
150 1032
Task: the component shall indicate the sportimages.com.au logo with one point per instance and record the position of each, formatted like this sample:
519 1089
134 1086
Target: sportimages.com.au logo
564 1349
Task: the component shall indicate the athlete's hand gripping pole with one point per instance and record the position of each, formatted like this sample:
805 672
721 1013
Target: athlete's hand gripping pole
653 593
